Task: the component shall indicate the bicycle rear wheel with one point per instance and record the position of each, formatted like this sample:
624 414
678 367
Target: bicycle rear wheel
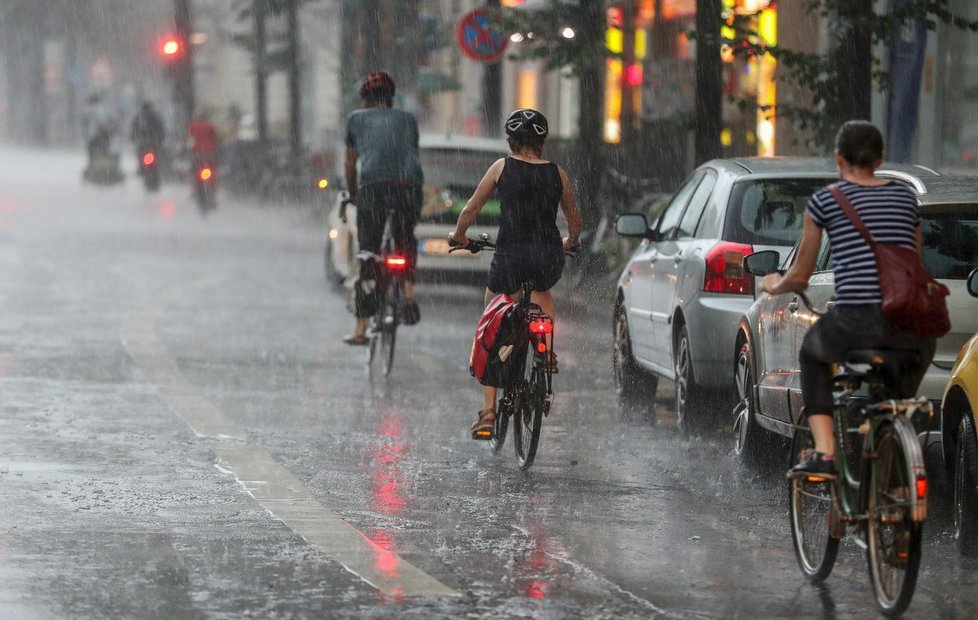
528 415
893 538
810 508
503 411
388 334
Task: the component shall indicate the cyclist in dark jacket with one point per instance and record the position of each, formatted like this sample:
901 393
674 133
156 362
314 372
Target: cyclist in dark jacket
384 177
528 246
147 130
889 210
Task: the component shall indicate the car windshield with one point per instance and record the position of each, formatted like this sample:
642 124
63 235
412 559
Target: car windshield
769 211
950 249
451 176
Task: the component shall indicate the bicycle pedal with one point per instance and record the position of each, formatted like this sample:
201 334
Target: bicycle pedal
483 435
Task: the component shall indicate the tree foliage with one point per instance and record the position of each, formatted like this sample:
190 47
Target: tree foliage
832 92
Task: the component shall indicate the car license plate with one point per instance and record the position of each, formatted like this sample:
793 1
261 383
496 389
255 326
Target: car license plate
435 247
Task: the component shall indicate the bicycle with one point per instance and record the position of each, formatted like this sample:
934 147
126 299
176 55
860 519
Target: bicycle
880 492
530 396
382 326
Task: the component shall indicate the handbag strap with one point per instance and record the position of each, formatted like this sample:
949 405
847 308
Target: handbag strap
850 211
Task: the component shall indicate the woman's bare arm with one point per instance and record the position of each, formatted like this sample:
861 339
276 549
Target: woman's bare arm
568 203
478 200
796 278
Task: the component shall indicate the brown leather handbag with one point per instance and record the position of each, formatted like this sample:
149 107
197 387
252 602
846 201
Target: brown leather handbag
912 299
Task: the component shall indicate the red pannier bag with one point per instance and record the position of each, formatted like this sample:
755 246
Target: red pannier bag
499 346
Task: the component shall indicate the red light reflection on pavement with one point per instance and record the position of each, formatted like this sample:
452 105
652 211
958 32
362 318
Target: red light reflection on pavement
167 210
385 471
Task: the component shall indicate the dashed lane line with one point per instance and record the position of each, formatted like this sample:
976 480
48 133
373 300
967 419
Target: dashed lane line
274 487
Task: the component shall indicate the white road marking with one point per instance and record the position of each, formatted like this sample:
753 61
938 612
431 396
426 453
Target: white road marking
275 488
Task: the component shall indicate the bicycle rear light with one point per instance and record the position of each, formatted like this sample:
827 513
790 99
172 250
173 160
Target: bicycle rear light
921 487
542 325
396 263
206 174
542 347
725 271
149 158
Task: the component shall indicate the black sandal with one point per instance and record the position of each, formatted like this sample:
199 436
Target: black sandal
485 425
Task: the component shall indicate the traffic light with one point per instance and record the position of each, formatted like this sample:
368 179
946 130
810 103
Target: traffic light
171 48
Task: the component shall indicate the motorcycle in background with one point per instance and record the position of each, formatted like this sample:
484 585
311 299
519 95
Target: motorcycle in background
149 169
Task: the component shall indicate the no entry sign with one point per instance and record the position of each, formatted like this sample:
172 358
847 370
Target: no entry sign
481 37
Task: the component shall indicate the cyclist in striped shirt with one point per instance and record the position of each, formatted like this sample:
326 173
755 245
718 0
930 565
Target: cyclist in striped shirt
889 210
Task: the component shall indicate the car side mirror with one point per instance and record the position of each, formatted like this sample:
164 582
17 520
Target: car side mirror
973 283
633 225
762 263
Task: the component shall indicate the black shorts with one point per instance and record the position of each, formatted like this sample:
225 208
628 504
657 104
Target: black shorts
540 263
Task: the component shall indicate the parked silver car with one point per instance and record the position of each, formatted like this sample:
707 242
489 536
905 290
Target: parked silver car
453 167
684 290
765 355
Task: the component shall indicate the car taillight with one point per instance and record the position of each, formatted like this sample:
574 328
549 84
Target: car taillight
542 326
725 271
396 262
148 159
206 174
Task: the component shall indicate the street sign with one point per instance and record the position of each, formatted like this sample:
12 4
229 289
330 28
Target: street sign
481 37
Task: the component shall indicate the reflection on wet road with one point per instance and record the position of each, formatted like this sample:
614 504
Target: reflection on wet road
184 436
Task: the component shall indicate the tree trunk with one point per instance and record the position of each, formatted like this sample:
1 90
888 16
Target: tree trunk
183 78
852 54
709 81
591 152
260 10
295 85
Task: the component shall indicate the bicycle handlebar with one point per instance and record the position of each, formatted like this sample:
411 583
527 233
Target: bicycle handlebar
483 243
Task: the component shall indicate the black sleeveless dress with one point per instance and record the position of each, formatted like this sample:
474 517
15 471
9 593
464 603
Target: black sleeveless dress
528 247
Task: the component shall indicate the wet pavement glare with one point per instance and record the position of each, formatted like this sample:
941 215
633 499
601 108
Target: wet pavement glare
129 322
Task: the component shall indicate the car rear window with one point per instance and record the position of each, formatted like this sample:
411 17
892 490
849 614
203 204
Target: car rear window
950 248
451 176
769 211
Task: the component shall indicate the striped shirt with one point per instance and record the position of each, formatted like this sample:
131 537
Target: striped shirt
889 212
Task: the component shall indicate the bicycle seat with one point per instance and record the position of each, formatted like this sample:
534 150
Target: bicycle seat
883 357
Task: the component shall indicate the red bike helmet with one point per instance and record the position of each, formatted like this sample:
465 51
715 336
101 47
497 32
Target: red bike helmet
377 85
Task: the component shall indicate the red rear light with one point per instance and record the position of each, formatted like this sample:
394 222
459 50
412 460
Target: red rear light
921 487
542 347
148 159
725 271
206 174
542 326
396 262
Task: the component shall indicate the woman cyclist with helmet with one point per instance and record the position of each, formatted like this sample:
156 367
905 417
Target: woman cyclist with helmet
889 211
528 245
383 176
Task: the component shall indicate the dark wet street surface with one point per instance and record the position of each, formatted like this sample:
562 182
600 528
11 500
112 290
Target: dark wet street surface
183 435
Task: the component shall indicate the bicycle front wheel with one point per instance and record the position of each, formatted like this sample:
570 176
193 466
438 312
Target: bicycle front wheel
503 411
893 538
528 416
810 509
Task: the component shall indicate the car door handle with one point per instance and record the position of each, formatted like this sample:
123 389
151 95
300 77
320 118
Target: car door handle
678 258
653 258
793 305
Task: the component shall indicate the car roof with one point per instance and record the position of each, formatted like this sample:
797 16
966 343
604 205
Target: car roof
918 177
463 143
951 190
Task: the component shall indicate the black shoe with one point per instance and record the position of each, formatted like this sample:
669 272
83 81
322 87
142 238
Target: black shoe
412 314
815 467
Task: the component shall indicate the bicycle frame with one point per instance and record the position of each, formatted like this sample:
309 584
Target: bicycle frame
850 481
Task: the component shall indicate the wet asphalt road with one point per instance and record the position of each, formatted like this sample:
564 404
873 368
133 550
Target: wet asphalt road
182 435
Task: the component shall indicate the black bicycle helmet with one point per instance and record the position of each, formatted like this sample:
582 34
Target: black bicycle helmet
527 123
378 85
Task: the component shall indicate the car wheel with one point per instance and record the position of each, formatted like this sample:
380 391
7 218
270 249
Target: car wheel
748 436
966 488
689 396
635 387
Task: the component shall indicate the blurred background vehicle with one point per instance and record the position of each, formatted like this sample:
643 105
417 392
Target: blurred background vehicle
453 167
765 355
